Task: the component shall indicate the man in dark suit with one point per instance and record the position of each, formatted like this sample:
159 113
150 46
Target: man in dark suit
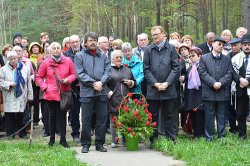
216 75
161 67
207 47
241 75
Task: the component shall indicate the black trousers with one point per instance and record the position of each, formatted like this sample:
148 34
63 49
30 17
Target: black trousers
231 116
198 123
99 106
54 111
167 107
36 90
241 114
14 122
45 115
74 116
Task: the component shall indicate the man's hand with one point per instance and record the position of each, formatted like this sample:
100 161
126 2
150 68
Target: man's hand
164 86
98 86
157 85
243 82
182 78
217 85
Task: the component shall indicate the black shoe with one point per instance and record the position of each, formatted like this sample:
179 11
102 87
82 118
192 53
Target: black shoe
100 148
85 149
64 144
23 136
51 143
46 135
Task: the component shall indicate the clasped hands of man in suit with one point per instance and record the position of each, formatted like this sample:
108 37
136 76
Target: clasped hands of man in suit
243 82
161 86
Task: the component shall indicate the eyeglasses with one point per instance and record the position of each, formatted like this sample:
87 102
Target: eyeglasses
118 57
154 35
91 40
221 44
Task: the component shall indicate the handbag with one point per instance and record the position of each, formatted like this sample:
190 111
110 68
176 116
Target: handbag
66 100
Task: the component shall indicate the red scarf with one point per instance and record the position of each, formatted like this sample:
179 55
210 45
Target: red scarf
93 52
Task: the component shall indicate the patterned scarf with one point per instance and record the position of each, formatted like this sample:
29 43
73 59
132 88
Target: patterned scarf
58 59
194 81
19 80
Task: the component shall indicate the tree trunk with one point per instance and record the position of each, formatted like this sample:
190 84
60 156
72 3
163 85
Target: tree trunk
158 12
98 18
223 15
246 14
215 15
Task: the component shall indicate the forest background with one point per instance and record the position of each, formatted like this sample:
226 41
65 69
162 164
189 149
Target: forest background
124 18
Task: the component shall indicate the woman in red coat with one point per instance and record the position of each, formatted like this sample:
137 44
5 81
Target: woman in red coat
63 67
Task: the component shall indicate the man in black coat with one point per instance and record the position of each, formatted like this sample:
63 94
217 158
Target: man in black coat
161 68
207 47
241 76
75 47
216 75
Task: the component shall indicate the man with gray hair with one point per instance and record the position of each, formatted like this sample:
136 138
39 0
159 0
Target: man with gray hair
75 47
207 47
93 72
142 42
103 45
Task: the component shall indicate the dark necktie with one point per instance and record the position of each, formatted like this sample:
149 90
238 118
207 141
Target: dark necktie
246 61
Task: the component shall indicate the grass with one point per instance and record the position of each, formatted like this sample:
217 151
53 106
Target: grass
20 153
226 151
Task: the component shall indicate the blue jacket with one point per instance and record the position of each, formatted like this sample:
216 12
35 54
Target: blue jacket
136 66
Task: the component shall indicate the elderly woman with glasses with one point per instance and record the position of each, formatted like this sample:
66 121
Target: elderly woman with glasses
193 95
135 64
121 82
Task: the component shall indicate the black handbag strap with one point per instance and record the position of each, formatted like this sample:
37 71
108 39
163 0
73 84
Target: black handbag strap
57 80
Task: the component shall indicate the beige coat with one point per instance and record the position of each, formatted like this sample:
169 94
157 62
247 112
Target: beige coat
11 103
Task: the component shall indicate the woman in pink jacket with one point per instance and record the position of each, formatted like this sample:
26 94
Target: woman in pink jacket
63 67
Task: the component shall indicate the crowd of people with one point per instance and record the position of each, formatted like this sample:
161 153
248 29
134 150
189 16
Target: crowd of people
185 84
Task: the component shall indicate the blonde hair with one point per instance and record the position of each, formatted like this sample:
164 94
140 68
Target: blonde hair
174 34
187 37
117 44
65 40
226 32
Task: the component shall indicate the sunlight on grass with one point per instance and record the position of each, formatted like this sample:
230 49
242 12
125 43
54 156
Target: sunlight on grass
20 153
226 151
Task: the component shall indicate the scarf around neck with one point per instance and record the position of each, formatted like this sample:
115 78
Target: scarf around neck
57 60
161 45
19 80
194 81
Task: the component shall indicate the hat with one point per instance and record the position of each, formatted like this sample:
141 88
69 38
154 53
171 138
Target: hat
197 50
220 40
183 45
234 41
11 54
17 34
245 38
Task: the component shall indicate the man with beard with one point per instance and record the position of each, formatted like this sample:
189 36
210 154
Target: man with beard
93 72
75 47
216 75
241 75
